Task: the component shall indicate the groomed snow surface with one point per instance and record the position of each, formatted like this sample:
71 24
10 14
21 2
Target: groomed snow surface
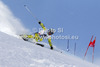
15 52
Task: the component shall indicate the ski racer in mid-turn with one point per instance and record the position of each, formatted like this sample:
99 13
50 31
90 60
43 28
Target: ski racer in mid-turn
45 33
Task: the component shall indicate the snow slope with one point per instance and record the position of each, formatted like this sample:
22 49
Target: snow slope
15 52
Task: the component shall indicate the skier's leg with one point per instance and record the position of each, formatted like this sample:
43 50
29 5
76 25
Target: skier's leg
49 41
29 36
37 37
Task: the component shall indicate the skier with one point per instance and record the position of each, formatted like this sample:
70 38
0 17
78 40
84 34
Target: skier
38 36
45 33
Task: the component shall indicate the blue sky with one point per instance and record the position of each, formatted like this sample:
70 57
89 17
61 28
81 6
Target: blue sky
81 18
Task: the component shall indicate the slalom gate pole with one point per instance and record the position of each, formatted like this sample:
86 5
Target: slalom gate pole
86 52
68 45
91 38
88 47
74 48
93 51
93 55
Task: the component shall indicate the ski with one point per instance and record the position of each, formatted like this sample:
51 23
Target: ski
40 44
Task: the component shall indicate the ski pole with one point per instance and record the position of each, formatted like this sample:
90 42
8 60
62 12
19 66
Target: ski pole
31 12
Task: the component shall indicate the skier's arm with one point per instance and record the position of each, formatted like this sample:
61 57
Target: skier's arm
41 24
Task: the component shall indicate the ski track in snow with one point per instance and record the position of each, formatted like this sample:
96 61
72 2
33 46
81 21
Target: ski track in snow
15 52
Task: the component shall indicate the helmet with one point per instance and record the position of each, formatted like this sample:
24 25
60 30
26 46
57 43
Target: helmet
50 31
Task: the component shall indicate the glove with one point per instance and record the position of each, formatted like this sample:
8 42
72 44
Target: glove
39 22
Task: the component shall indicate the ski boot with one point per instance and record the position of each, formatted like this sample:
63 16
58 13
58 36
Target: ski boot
51 48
